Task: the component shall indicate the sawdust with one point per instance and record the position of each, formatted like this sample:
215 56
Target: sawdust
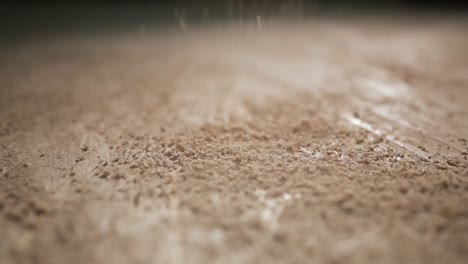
236 146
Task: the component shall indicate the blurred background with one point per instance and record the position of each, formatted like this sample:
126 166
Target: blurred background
21 20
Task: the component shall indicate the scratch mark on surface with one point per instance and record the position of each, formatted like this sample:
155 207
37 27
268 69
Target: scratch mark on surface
366 126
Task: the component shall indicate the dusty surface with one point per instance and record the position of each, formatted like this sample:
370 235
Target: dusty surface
319 142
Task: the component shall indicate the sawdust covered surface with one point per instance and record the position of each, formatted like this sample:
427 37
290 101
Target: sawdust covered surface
326 143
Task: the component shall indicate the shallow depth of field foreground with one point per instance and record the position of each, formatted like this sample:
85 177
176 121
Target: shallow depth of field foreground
333 141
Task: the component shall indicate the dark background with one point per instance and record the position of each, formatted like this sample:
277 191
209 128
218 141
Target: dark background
419 4
21 20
